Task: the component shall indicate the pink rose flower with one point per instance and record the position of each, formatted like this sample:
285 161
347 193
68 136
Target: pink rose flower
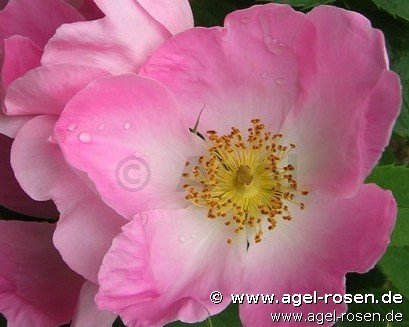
47 62
25 28
265 192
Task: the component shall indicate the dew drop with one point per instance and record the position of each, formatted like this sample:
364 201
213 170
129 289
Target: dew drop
101 127
85 137
72 127
280 81
147 154
182 239
274 45
51 139
127 125
264 75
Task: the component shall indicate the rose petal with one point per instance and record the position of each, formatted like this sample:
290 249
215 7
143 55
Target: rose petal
344 116
23 17
10 126
130 140
11 194
152 276
175 15
47 89
86 226
119 42
248 67
36 287
87 8
315 250
20 55
87 314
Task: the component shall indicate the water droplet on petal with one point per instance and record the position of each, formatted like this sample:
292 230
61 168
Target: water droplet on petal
264 75
72 127
245 20
127 125
182 239
147 154
52 139
101 127
280 81
274 45
85 137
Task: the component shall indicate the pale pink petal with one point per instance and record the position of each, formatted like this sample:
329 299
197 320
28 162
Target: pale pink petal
119 42
131 140
166 263
243 71
11 125
87 314
87 8
86 226
348 104
47 89
37 288
36 20
11 194
315 250
20 55
382 109
175 15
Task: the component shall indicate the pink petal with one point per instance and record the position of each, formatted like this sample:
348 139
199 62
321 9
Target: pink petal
175 15
119 42
36 20
47 89
36 287
11 125
382 109
20 55
348 104
87 314
315 250
131 141
11 194
87 8
164 266
86 226
243 71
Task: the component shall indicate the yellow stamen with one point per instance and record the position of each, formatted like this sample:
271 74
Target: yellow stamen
244 181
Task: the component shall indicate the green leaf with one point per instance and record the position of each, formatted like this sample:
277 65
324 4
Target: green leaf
213 12
395 264
388 157
227 318
398 42
395 7
303 3
394 178
400 236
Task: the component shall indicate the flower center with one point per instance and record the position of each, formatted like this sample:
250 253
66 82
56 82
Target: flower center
244 181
